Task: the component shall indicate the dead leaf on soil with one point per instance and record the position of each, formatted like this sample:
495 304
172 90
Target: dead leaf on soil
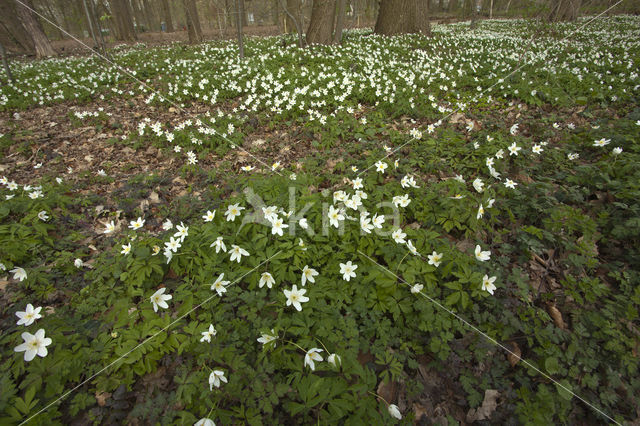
514 356
102 397
4 282
489 405
556 315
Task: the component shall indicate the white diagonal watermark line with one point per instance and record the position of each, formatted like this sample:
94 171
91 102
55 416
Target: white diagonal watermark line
390 153
491 339
144 342
151 89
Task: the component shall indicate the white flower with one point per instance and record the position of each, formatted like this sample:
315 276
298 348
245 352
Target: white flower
183 231
34 344
267 338
78 263
136 224
270 213
416 288
617 151
237 253
601 142
487 284
335 360
275 166
219 245
394 411
513 149
312 355
537 149
510 184
381 166
398 236
348 270
401 200
109 228
167 225
412 248
514 129
19 274
480 212
207 335
219 285
303 223
308 274
482 255
415 133
215 378
29 315
209 216
435 258
43 215
573 156
500 153
160 299
247 168
172 245
377 221
204 422
233 211
277 226
478 185
295 297
357 183
365 224
408 181
266 278
126 249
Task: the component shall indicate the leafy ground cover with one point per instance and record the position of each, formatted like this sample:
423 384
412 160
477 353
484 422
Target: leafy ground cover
294 238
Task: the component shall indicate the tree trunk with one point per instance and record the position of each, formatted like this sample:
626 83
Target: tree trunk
564 10
166 14
239 13
124 22
12 34
337 34
275 12
293 8
453 6
320 29
193 21
403 16
34 29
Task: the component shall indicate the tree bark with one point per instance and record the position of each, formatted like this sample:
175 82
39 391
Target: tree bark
239 13
193 21
402 17
320 29
166 13
564 10
124 21
293 8
34 29
337 34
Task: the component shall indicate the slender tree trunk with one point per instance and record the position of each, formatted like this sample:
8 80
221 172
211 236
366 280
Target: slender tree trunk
166 14
337 34
5 63
293 9
193 21
32 26
124 20
320 29
239 13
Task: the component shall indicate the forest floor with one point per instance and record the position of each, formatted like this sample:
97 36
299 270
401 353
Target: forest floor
538 169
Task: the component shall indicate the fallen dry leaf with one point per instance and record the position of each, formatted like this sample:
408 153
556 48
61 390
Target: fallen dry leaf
102 397
556 315
514 356
489 405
